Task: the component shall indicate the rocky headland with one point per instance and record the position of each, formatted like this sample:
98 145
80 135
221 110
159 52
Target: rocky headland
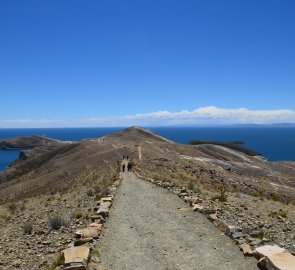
26 142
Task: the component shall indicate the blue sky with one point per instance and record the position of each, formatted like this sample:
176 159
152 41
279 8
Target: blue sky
89 63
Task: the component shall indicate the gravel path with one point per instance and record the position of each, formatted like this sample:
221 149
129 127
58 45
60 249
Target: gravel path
152 229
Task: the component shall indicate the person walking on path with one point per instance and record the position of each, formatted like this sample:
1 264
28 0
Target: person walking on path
123 168
129 167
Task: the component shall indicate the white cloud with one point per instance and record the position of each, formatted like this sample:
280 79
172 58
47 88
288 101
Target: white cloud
201 116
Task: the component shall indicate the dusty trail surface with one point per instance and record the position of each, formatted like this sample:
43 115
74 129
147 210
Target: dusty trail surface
151 228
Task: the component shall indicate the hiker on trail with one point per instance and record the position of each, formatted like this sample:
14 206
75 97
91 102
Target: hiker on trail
129 167
123 168
127 157
123 157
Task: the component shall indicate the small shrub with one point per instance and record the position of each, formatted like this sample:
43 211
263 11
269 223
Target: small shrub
86 217
257 194
190 185
27 228
60 260
97 189
261 235
281 213
78 214
273 214
90 192
12 207
97 197
5 218
275 197
106 192
22 208
96 253
56 222
222 197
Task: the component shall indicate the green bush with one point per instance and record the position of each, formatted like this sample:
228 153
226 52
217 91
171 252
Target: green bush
96 253
97 197
275 197
261 235
78 214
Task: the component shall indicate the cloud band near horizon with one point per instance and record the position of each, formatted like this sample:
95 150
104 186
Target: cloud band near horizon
204 116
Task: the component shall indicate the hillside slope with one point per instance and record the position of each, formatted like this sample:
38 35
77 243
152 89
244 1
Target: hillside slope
64 179
205 164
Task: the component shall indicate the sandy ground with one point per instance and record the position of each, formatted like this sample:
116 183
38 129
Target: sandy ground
151 228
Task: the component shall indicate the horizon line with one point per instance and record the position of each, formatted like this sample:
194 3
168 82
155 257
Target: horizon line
160 126
202 116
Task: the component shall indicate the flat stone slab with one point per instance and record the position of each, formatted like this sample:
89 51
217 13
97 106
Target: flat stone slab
91 232
96 225
267 250
220 224
212 217
247 251
83 241
198 207
97 218
105 205
76 254
103 212
107 199
281 261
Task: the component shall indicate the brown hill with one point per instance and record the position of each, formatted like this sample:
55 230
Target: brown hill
65 180
57 165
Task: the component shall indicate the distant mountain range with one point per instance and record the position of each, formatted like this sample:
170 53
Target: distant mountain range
267 125
235 125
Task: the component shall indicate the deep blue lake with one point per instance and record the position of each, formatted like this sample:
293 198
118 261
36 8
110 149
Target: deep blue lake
275 143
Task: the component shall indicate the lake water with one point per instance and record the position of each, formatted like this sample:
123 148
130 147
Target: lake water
274 143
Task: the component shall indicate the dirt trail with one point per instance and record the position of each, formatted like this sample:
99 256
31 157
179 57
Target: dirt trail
152 229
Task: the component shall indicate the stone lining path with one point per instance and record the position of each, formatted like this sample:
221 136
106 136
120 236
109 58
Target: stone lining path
151 228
